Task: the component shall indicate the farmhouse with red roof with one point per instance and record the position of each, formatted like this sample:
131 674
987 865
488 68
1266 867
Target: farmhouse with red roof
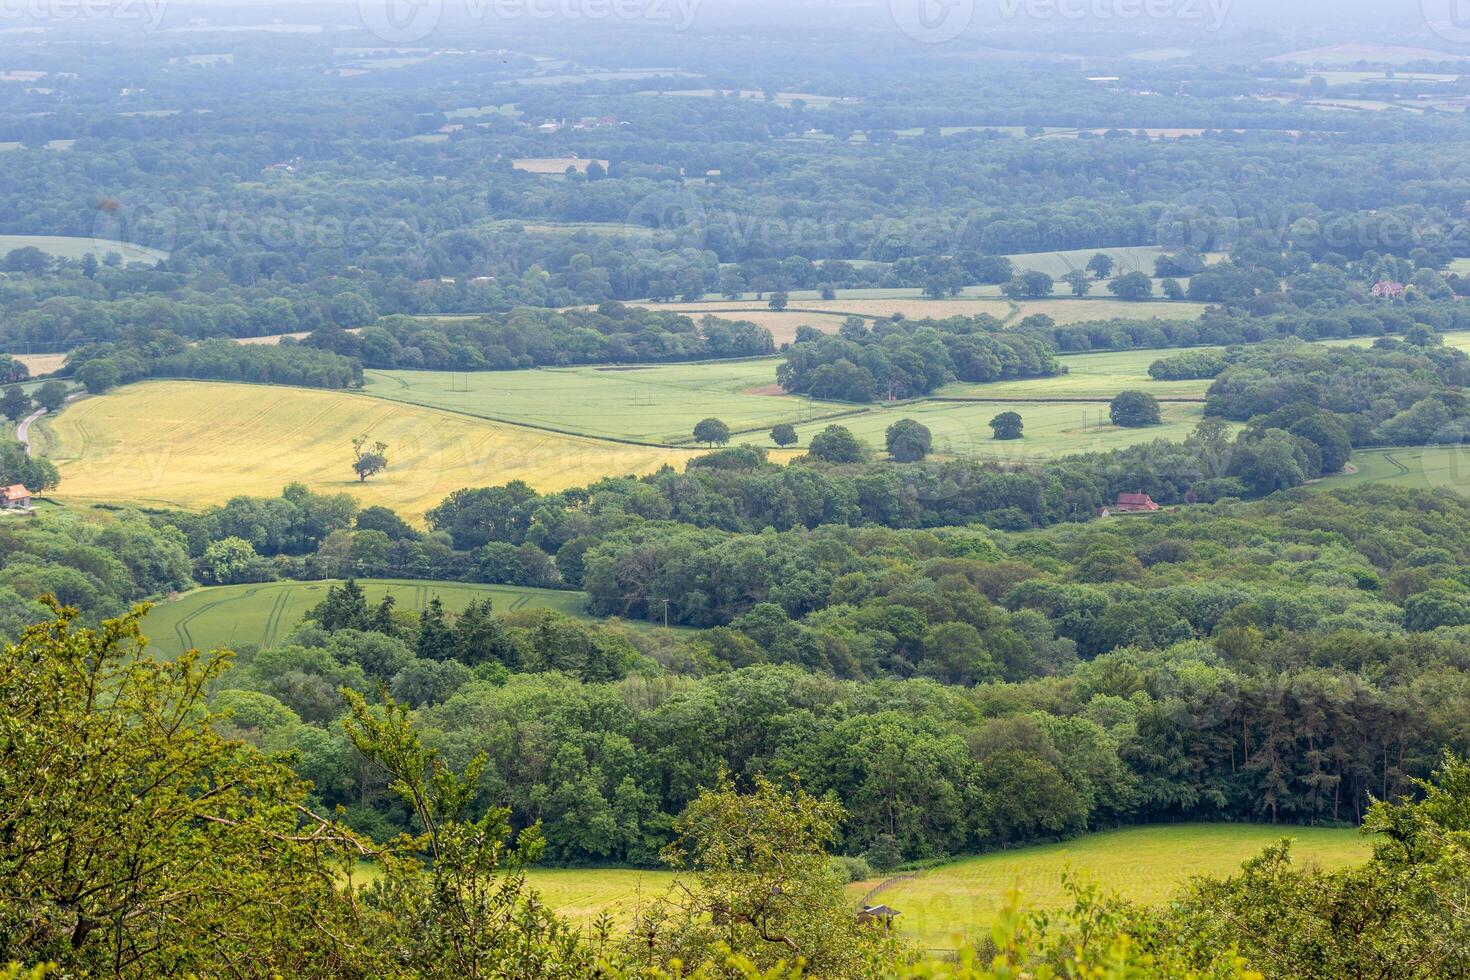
1384 289
1134 503
15 497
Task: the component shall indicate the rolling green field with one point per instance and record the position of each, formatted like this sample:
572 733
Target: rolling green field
654 403
75 248
661 403
946 906
261 615
1138 258
911 303
1143 864
868 303
1424 467
1052 429
1092 376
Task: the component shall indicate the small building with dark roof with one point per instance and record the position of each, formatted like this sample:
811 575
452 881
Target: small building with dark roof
879 915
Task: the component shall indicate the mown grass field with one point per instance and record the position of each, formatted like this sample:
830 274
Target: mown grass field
651 403
192 443
1458 339
75 248
1051 429
39 364
1093 376
827 314
781 323
1136 258
261 615
958 902
1425 467
806 306
661 403
1071 309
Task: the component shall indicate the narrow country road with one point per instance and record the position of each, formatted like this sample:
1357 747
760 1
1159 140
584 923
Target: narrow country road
23 429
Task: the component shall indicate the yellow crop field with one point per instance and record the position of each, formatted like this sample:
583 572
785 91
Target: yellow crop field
194 443
39 364
1147 865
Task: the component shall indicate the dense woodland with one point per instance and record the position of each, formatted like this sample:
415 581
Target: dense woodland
897 359
1178 667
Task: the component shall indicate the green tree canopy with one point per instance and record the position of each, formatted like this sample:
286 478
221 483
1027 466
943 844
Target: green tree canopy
1007 425
712 432
837 444
908 441
1134 409
784 434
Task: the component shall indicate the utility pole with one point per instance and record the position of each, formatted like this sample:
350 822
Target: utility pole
666 613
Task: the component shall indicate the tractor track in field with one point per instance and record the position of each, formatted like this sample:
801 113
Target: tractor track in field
273 621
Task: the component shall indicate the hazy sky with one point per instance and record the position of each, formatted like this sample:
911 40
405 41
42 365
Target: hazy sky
1442 25
1376 21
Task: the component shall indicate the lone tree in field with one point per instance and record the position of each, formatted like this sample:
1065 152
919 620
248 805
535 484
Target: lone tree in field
1134 409
1133 287
15 404
712 432
779 300
1078 280
783 434
908 441
1007 425
368 460
1100 265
